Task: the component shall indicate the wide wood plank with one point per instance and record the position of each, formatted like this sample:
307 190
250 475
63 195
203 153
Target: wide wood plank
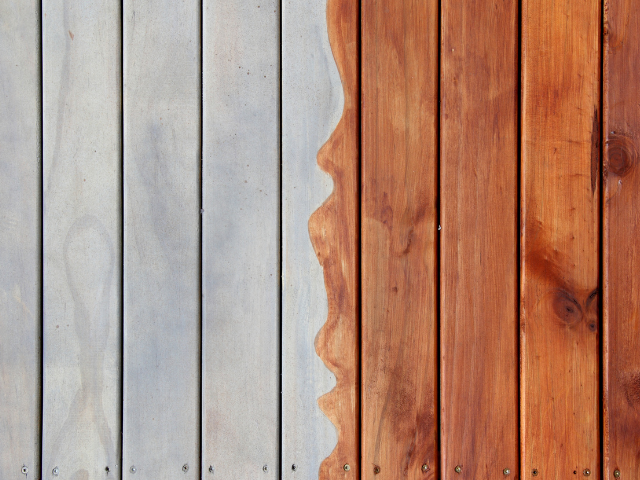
241 378
162 239
560 216
82 232
20 238
399 172
621 248
334 231
479 256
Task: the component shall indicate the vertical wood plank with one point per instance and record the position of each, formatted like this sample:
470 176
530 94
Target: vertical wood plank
399 171
479 213
334 231
82 231
560 215
312 104
621 250
241 198
162 239
20 238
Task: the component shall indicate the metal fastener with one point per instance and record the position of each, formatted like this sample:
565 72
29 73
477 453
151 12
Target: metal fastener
133 469
55 471
534 472
211 469
425 467
376 469
346 467
616 473
506 471
107 469
294 467
185 467
458 469
265 468
24 469
586 472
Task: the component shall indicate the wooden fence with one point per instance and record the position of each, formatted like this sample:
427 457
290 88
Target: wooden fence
253 239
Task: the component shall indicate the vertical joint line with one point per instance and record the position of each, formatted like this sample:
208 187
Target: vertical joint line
359 182
518 253
438 398
602 326
280 434
122 239
201 252
41 359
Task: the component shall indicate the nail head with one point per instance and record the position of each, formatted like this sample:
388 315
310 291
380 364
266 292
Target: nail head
346 467
265 468
506 471
458 469
294 467
24 470
376 469
211 469
534 472
586 472
616 473
185 467
425 467
133 469
55 471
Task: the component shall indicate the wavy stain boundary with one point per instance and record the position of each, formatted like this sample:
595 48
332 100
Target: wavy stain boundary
334 232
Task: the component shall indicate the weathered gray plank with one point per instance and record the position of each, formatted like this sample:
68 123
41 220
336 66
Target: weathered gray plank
312 98
82 231
162 239
241 238
20 172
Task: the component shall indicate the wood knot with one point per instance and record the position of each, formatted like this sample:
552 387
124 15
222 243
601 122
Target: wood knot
567 308
621 154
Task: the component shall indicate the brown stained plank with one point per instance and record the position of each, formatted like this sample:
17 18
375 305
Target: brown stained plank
399 171
621 257
479 277
560 204
334 232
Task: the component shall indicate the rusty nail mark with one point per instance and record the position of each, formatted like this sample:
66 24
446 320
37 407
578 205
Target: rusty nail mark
55 471
346 467
506 471
376 469
24 470
185 467
458 469
587 472
425 467
616 473
265 468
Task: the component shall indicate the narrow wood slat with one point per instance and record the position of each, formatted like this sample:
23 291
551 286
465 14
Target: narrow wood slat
479 215
399 172
334 231
162 239
560 209
314 102
82 232
20 238
241 188
621 248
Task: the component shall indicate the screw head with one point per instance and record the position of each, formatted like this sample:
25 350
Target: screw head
506 471
616 473
376 469
185 467
534 472
55 471
458 469
24 469
425 467
586 472
133 469
265 468
211 469
346 467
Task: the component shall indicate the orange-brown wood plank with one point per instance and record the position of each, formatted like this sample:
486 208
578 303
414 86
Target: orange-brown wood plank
621 248
399 173
479 256
335 234
560 238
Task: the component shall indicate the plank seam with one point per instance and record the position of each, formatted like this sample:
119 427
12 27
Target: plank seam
41 359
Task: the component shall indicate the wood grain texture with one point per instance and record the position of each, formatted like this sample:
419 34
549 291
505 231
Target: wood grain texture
479 216
20 238
82 232
241 239
162 167
312 105
621 248
334 233
560 216
399 172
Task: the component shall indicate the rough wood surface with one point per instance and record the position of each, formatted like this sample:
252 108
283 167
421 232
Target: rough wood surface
479 216
334 232
241 276
621 256
312 105
399 172
162 163
20 238
560 205
82 232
